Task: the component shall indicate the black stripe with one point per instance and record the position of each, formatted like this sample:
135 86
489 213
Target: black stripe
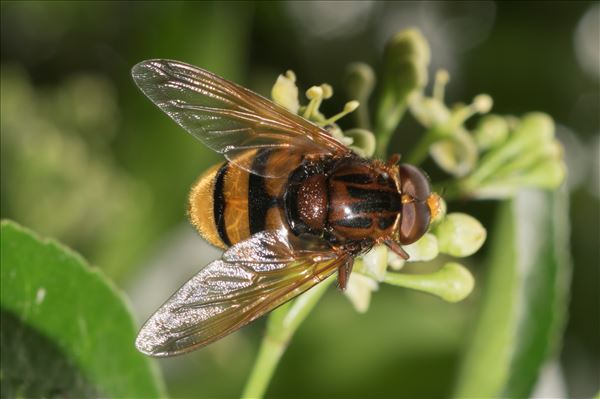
367 193
219 204
259 200
385 222
356 223
356 178
377 204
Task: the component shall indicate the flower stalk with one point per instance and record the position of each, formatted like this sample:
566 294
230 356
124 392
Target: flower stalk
281 326
452 283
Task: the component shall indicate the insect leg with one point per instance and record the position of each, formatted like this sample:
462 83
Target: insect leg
396 248
344 273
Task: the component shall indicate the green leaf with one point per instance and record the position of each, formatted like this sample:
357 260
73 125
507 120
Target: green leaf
524 298
66 331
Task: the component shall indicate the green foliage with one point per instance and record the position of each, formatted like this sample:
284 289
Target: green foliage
55 143
66 330
524 299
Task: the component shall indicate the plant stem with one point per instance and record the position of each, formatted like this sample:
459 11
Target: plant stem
421 150
264 366
281 326
389 114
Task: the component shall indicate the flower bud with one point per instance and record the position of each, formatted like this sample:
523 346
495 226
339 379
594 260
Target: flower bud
363 141
527 160
523 145
428 111
546 175
536 127
406 59
491 131
456 155
456 282
460 235
453 282
285 92
360 81
424 249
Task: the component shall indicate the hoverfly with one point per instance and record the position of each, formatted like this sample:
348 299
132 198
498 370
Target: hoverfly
291 205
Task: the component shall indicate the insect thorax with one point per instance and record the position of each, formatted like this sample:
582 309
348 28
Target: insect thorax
344 200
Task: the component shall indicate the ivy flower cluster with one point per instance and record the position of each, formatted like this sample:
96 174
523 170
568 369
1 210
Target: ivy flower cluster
501 155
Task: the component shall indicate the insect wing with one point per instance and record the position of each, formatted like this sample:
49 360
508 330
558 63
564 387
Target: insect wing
252 278
227 117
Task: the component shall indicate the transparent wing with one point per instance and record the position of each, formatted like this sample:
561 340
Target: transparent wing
225 116
252 278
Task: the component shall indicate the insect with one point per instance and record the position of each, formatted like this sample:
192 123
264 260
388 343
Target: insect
291 205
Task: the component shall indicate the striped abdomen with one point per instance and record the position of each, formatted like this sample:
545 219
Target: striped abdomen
228 204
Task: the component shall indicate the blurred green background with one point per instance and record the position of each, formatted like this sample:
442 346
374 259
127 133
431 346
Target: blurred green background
88 160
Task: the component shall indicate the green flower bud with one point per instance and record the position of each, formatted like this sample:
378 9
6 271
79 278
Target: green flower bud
536 127
527 160
548 175
491 131
453 282
285 92
460 235
530 135
360 81
447 141
406 59
428 111
363 141
405 63
456 155
424 249
530 157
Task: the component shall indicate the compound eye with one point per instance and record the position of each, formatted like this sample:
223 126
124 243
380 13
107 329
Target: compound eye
414 222
414 182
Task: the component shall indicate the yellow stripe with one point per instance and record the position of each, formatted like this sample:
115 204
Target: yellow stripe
200 208
236 204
